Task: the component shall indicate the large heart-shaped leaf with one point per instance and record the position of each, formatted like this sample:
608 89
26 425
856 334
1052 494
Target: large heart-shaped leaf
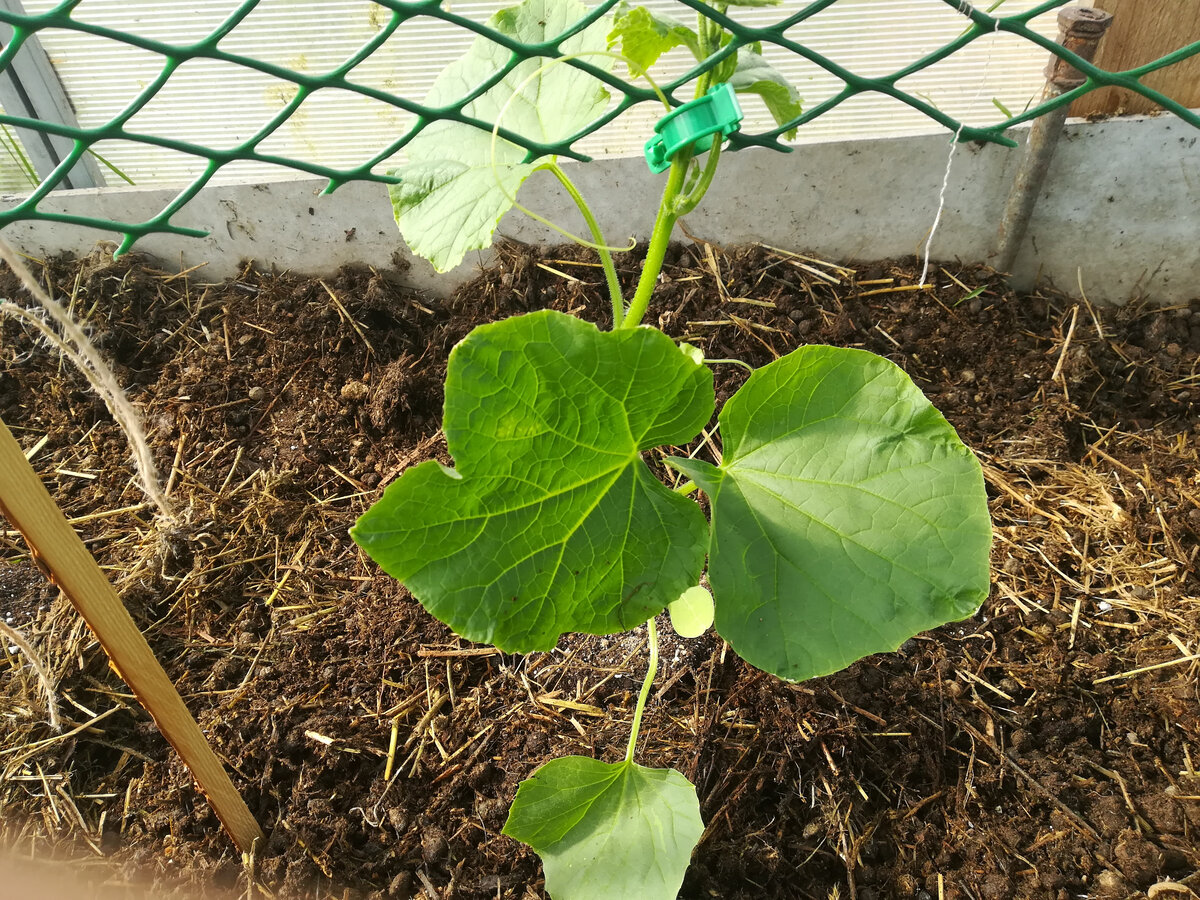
453 192
608 831
550 522
847 516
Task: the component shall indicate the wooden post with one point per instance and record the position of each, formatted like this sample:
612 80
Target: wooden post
1079 30
26 503
1143 31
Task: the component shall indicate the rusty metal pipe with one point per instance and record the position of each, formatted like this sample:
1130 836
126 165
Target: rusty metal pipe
1079 30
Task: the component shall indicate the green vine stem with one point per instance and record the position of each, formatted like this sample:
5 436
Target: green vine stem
664 225
651 671
710 34
685 205
672 206
733 362
606 260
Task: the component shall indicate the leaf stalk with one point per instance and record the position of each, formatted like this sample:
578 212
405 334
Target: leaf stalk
606 260
651 671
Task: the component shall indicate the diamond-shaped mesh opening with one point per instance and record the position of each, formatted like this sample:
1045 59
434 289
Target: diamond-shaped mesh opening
414 52
17 172
246 100
978 82
281 34
337 128
878 37
113 72
199 21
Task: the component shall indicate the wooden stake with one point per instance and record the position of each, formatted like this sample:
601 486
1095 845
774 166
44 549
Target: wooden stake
26 503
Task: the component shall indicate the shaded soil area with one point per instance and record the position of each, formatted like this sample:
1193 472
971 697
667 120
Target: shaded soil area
1046 747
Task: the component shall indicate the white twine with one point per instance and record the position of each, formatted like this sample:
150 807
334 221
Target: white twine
963 7
76 346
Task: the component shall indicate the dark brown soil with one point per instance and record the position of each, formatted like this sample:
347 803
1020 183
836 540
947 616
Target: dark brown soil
993 758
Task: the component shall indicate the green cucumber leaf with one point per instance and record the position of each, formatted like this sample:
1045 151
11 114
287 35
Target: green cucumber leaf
692 613
644 36
449 201
550 522
847 515
754 75
695 354
607 831
451 196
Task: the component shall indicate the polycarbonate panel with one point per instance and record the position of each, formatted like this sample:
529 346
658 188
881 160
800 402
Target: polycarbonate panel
14 162
219 105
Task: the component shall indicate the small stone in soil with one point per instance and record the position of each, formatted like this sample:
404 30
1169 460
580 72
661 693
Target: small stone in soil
401 885
433 845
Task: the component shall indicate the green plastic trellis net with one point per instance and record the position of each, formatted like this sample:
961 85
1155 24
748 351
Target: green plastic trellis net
395 15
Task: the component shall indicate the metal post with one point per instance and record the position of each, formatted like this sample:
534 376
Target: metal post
1079 30
30 88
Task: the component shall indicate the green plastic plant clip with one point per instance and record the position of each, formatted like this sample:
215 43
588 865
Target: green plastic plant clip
693 125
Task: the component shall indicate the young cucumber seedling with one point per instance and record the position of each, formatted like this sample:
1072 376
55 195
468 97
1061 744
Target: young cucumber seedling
845 514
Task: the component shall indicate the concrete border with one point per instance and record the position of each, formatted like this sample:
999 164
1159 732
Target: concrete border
1120 211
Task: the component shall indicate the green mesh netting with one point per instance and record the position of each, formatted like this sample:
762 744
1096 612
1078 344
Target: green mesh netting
977 24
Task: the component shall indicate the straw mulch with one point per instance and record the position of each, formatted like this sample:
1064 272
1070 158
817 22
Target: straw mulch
1046 747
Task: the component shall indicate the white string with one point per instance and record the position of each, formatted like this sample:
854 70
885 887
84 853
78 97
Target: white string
963 7
941 204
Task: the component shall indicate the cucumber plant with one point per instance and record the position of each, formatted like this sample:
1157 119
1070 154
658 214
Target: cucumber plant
845 513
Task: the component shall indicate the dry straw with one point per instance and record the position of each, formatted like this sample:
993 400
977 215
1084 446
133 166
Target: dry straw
43 676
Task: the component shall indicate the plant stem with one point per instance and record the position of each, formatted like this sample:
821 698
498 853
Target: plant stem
672 206
651 671
733 362
710 43
606 260
664 225
685 205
